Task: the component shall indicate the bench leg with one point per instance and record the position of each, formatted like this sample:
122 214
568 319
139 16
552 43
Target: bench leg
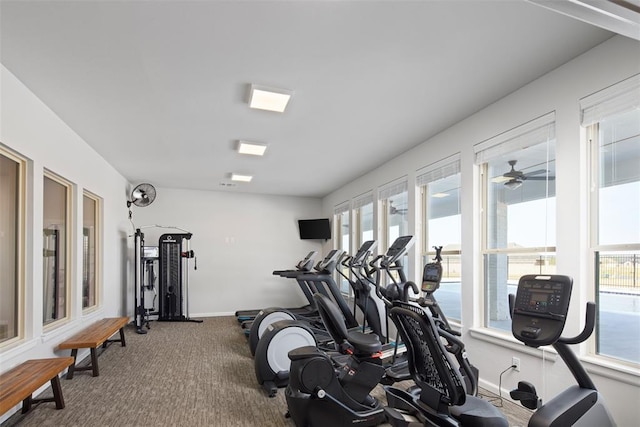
93 366
72 368
94 362
121 340
57 392
122 337
26 404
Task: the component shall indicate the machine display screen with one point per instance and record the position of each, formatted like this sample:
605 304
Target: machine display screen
540 297
431 277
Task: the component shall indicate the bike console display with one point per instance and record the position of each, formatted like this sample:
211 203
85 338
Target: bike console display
540 309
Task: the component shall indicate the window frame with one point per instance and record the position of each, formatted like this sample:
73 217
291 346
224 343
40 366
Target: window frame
97 256
20 249
386 192
341 211
359 203
68 262
592 136
511 141
426 253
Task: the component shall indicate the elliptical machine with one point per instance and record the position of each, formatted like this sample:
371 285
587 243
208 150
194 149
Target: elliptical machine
327 390
364 296
431 279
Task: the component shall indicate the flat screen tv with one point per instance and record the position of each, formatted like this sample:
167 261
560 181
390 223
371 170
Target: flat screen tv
314 229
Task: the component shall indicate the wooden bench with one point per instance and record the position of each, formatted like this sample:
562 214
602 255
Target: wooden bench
92 337
19 383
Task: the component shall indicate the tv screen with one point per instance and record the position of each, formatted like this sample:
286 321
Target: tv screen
314 229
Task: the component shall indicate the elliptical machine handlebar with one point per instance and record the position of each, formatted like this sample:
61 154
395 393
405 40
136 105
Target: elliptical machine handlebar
345 260
405 290
377 268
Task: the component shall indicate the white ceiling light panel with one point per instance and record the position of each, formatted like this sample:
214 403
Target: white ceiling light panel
270 99
251 148
241 178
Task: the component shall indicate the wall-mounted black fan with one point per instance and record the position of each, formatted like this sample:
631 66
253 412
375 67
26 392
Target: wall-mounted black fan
143 195
516 178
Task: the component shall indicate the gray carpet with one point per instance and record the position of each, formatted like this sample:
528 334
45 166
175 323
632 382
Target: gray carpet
179 374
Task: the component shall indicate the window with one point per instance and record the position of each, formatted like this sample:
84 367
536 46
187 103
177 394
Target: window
441 226
394 202
341 220
363 207
612 119
90 249
56 239
12 172
519 205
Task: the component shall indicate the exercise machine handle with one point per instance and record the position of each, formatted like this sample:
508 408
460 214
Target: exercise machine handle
405 291
589 325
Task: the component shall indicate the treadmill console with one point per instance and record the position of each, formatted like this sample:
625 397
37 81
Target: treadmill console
540 309
307 263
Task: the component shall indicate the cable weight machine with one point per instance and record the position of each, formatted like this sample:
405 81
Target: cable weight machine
168 266
174 277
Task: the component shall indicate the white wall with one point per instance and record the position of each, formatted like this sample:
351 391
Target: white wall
31 129
557 91
239 240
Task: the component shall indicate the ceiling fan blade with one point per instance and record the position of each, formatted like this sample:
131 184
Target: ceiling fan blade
513 175
538 172
539 178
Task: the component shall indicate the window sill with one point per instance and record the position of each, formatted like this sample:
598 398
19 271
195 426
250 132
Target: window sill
612 369
56 329
91 313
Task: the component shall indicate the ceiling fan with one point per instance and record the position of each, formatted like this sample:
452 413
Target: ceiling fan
515 178
393 210
142 195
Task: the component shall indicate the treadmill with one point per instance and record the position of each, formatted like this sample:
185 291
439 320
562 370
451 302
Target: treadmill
302 267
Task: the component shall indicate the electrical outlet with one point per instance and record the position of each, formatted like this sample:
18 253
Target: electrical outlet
515 362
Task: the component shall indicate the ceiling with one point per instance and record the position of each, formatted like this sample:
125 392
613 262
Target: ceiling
159 89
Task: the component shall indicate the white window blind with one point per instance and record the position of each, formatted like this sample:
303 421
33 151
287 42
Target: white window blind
531 133
341 208
393 188
619 98
439 170
362 200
